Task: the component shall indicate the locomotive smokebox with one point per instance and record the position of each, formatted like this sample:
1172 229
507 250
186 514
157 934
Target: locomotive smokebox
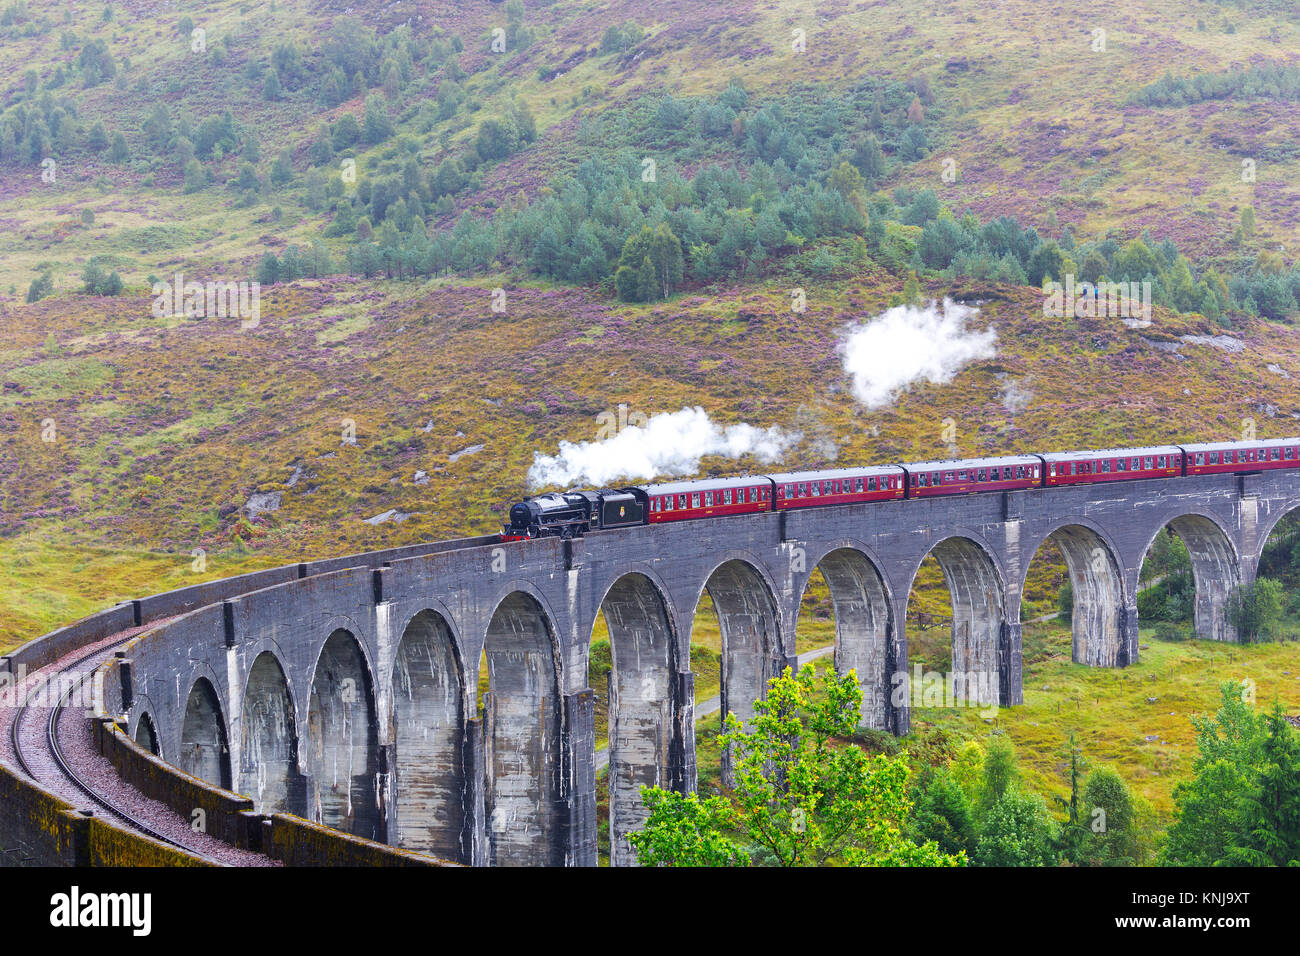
520 516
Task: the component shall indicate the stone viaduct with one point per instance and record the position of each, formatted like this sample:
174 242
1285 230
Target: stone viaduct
352 697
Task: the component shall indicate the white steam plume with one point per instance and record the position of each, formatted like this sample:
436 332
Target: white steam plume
906 344
668 444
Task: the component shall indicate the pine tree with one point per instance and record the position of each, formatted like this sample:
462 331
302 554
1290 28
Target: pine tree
118 152
1268 832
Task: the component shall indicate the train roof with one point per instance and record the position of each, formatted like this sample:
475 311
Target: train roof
793 476
951 464
1113 453
1257 443
705 484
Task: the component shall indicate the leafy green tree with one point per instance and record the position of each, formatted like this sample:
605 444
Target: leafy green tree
1000 772
622 37
1017 832
869 159
1111 819
1134 261
1065 603
1256 609
1045 261
117 151
496 139
281 169
195 179
688 831
321 150
268 270
1268 827
98 138
271 89
1205 807
1072 834
651 265
377 126
98 282
346 131
247 178
42 286
942 812
1248 221
801 797
912 290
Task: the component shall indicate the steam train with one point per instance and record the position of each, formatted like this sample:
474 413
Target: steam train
570 513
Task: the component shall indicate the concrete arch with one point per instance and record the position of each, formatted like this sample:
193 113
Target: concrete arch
642 702
343 766
864 625
146 734
205 751
745 602
268 748
979 627
522 735
1216 571
1275 518
1097 623
428 734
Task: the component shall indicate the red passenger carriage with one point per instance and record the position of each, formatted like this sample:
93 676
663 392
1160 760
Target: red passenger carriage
1112 464
842 486
959 477
1261 455
711 498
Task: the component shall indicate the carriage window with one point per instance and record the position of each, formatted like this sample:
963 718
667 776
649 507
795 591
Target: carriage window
1147 462
695 500
1214 458
983 475
708 499
920 481
1273 454
816 489
835 487
871 484
1105 467
1200 457
1288 452
1121 465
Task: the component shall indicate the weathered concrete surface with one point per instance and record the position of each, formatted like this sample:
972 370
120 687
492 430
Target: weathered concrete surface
517 786
427 730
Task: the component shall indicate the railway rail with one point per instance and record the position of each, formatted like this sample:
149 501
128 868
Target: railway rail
56 764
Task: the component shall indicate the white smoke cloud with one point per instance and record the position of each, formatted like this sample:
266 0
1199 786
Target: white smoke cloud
668 444
906 344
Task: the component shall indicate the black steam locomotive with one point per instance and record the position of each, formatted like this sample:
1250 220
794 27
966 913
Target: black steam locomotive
572 513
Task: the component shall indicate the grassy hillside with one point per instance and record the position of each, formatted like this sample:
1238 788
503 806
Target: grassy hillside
1035 122
163 430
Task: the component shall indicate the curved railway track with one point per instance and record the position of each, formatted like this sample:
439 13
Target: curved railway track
53 749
